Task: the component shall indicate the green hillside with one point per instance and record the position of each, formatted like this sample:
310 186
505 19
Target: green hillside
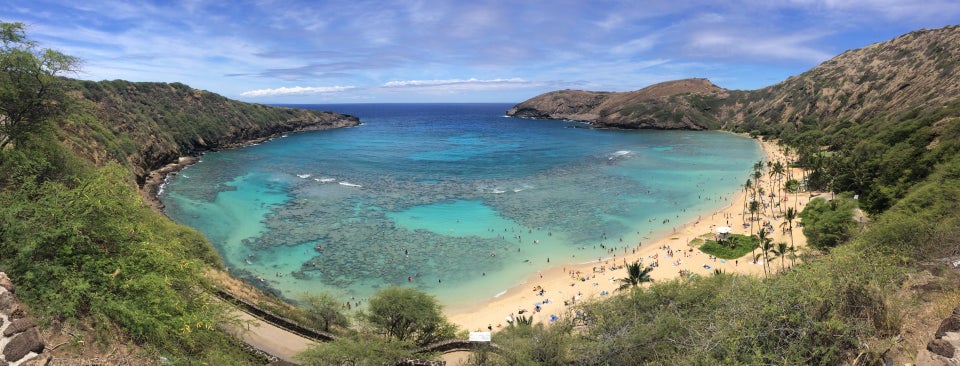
93 261
881 124
101 268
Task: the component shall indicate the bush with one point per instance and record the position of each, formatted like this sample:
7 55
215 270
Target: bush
94 249
360 351
826 224
408 314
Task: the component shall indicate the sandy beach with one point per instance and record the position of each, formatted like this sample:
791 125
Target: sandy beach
583 282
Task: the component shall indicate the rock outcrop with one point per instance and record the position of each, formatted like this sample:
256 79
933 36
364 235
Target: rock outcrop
681 104
915 71
146 126
942 350
20 340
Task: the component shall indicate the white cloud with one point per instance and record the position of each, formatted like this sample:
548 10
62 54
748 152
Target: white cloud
294 91
635 46
797 46
462 84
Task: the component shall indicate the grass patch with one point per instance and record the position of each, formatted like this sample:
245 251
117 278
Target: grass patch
734 247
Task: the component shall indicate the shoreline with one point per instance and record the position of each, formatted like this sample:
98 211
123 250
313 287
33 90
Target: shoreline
594 278
152 184
565 284
155 178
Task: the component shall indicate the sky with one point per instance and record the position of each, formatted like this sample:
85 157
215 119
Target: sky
358 51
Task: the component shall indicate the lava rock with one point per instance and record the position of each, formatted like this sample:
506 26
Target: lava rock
22 345
19 326
941 347
950 324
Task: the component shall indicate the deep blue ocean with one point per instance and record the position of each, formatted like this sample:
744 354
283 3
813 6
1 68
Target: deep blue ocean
456 199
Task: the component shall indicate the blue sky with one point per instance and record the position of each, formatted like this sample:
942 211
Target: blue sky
358 51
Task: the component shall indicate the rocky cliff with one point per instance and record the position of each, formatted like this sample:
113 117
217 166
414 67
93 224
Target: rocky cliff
917 70
148 125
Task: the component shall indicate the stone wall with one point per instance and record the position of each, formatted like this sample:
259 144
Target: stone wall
20 339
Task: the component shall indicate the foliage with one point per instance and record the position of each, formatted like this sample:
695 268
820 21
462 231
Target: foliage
359 351
925 224
93 249
30 92
81 244
636 275
814 314
150 124
879 158
323 309
533 345
38 158
826 224
408 314
734 247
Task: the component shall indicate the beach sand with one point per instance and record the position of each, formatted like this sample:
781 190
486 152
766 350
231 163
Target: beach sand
559 285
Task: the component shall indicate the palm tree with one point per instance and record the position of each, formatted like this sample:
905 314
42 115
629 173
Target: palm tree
758 166
746 191
777 171
792 185
635 276
788 218
780 250
522 321
754 206
765 248
756 180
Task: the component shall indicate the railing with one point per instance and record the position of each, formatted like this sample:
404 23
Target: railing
320 336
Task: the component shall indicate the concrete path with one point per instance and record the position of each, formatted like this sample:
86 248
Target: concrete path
268 338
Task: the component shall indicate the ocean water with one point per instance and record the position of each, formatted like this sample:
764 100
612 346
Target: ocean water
455 199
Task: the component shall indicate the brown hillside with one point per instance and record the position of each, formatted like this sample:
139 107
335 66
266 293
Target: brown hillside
915 70
664 106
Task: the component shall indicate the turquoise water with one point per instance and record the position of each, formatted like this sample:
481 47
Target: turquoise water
455 199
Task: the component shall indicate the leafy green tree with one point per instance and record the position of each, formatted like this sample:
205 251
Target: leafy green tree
408 314
826 224
324 309
635 276
357 351
30 91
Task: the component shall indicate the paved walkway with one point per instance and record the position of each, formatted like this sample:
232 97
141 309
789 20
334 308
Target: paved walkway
267 337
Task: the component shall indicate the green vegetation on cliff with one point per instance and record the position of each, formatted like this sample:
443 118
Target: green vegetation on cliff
878 123
88 256
147 125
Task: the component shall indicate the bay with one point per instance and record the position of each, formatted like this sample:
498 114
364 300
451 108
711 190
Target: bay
455 199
